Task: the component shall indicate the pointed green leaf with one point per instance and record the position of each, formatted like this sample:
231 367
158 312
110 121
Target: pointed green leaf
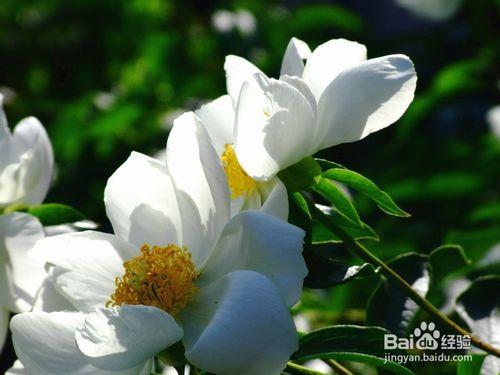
321 235
348 343
445 260
327 164
55 214
367 187
325 272
339 201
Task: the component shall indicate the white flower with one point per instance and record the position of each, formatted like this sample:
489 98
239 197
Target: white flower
20 276
218 117
178 268
26 162
434 10
337 96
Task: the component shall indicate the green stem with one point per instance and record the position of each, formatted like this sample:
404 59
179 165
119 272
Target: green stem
295 369
366 255
337 367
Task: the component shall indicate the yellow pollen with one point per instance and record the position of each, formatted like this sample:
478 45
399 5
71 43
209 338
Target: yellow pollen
161 276
240 184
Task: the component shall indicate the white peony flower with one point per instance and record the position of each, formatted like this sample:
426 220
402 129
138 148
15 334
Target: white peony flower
26 162
177 268
217 117
20 276
337 96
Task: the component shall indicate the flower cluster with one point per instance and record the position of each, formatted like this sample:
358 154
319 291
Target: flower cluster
202 254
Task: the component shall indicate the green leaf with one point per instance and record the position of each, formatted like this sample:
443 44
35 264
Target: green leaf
300 216
367 187
327 164
325 272
348 343
301 175
55 214
321 235
471 367
391 366
339 201
445 260
342 338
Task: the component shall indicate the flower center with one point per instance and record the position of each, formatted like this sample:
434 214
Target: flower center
161 276
240 183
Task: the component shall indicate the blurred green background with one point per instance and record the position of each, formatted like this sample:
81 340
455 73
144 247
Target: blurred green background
108 77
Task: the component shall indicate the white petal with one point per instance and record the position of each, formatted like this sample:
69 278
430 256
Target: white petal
87 264
45 344
201 185
365 99
30 140
256 241
275 199
17 369
274 122
293 61
18 234
250 202
303 88
48 299
328 60
141 203
218 118
239 325
26 164
124 337
238 70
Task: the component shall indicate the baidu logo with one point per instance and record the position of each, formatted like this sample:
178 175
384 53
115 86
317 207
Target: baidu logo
426 337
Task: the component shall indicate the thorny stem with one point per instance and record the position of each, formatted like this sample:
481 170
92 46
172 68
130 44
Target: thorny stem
366 255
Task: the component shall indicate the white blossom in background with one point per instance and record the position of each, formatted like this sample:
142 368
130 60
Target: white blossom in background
337 96
26 161
104 100
434 10
493 119
178 267
225 21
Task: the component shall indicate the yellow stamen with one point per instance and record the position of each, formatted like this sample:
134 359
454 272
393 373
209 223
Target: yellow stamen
161 276
240 183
